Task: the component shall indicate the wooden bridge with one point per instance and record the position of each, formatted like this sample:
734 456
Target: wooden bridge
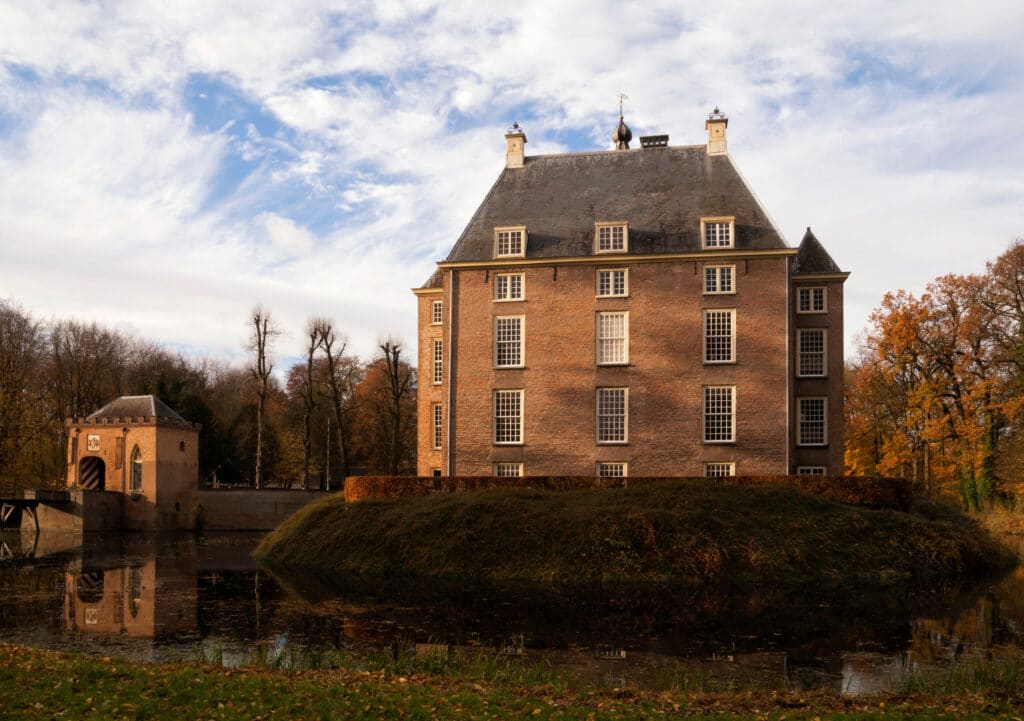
12 508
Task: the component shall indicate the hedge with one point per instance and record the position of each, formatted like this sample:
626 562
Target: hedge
868 491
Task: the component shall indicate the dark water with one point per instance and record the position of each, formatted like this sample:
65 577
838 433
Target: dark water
168 598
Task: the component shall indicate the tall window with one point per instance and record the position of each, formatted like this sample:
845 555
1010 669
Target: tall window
437 413
611 237
611 415
509 242
611 470
438 361
812 426
719 338
508 470
719 470
811 352
508 286
611 283
136 486
718 279
437 312
508 417
717 232
612 338
508 341
811 300
719 407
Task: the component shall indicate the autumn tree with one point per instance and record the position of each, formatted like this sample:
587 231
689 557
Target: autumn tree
23 420
337 377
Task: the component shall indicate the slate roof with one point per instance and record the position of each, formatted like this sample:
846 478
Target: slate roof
135 406
661 192
811 257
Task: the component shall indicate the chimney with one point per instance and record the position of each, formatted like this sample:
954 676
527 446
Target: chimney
515 154
715 125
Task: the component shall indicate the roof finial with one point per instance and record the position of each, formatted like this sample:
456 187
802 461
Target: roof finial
622 134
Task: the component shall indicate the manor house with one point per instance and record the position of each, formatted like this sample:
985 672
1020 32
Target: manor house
630 312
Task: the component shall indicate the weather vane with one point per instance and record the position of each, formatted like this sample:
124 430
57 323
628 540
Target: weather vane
622 97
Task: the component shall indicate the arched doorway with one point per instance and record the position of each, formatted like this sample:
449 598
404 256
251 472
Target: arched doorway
93 474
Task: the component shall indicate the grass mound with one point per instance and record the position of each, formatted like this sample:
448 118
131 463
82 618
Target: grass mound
675 532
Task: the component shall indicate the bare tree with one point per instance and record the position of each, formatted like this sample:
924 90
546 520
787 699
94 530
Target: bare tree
308 395
400 384
263 331
337 380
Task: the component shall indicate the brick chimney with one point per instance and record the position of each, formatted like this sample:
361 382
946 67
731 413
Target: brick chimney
715 125
516 152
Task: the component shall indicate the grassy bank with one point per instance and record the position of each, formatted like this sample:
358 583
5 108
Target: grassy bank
47 685
676 533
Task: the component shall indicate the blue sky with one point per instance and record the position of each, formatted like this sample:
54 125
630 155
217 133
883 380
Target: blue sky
166 166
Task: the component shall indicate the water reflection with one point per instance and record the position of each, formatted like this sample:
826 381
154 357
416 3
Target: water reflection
171 598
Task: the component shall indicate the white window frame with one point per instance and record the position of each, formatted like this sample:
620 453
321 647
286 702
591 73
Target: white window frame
606 469
436 312
610 229
508 470
600 435
611 282
712 469
812 470
604 343
515 438
708 337
437 429
506 294
801 421
801 354
707 413
706 224
519 343
509 232
438 376
717 271
811 291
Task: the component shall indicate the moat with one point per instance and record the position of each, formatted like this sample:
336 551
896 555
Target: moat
167 598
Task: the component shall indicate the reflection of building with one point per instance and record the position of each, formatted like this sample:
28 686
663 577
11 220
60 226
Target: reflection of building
630 312
125 600
138 447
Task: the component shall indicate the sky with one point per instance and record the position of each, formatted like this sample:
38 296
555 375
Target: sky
165 166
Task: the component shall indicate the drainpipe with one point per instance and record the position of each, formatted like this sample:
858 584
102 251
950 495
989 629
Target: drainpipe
790 350
451 362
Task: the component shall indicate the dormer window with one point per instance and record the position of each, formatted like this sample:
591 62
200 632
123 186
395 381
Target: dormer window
510 242
611 238
717 232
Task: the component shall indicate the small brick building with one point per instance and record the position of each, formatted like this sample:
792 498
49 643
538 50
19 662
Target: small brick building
630 312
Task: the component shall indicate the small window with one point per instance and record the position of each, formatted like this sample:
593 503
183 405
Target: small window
436 312
716 232
812 425
437 415
718 279
510 242
719 336
508 417
719 414
811 470
136 486
612 283
611 470
611 238
811 352
436 472
508 341
508 470
508 286
612 415
613 338
719 470
438 361
811 300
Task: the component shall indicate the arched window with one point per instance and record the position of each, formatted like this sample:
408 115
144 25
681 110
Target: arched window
136 470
